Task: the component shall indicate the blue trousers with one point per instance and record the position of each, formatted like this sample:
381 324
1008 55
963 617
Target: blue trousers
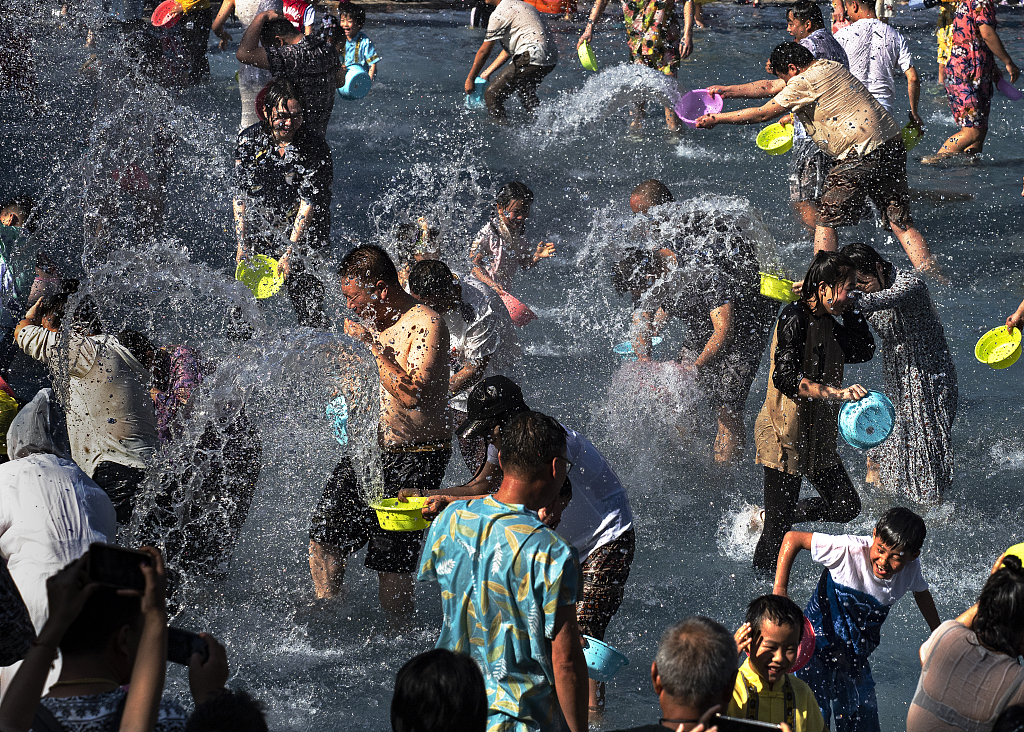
850 699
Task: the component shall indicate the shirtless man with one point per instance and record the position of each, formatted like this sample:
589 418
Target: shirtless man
409 342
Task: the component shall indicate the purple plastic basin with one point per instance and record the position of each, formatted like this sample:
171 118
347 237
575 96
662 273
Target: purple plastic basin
1008 90
696 103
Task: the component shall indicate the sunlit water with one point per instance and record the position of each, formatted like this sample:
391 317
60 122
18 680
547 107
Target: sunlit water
410 149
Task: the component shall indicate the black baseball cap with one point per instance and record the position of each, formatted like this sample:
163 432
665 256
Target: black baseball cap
491 402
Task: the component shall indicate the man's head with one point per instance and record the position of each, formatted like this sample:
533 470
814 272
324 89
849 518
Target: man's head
649 194
433 283
695 668
279 31
636 271
829 281
492 403
351 18
776 629
858 10
789 59
107 629
513 202
533 460
368 279
804 17
229 711
896 541
439 691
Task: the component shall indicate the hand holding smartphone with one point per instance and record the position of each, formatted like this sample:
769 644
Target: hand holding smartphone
181 644
116 567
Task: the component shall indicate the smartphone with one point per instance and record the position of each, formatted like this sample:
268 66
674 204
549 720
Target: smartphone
735 724
117 567
181 644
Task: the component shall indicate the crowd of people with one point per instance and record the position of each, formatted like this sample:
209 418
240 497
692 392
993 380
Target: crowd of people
533 553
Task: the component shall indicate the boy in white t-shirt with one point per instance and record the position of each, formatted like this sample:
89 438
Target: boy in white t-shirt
863 578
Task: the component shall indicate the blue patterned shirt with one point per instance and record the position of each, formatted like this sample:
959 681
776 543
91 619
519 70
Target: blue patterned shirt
503 575
360 51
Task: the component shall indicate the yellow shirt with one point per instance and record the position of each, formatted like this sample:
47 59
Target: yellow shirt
771 706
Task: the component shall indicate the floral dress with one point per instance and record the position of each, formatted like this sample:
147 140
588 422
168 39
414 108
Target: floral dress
971 71
652 32
920 379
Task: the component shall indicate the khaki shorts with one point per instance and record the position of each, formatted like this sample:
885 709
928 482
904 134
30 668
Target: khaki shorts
880 175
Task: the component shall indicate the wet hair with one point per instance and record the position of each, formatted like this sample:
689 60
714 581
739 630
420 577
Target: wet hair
636 271
901 528
652 193
86 318
156 360
1010 720
789 53
829 268
529 442
229 711
808 12
514 191
1000 619
368 264
439 691
697 662
353 11
431 279
102 617
866 258
780 610
279 91
274 28
24 202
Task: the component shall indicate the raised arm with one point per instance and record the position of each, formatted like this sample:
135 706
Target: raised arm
249 50
792 543
751 90
142 706
905 287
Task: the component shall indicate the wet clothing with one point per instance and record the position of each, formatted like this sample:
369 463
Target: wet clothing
521 30
503 252
310 65
877 52
797 437
16 629
963 687
921 380
881 175
791 701
809 166
251 79
847 610
109 410
503 576
517 77
121 483
102 712
344 522
837 111
360 52
299 13
823 44
971 71
185 377
605 573
652 34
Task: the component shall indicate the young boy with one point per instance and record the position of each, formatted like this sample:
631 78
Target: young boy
359 49
765 690
863 578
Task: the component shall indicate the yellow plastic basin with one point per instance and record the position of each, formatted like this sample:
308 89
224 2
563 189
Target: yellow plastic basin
393 515
775 139
777 288
587 57
259 274
998 349
911 136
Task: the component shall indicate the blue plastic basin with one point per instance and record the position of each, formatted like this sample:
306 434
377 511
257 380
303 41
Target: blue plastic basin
476 99
867 423
357 84
625 349
603 661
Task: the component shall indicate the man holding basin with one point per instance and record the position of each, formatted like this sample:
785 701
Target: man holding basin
848 123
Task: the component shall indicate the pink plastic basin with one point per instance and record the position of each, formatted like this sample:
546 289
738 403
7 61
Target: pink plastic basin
694 104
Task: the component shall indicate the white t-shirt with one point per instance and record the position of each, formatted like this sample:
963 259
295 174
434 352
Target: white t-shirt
599 511
848 559
876 52
520 29
488 333
110 412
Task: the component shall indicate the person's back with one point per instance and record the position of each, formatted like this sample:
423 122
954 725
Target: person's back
520 29
310 63
876 52
823 45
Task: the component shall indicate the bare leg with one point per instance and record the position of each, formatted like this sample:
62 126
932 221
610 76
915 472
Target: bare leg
596 701
807 212
698 16
872 476
637 123
671 121
730 440
917 249
825 239
969 141
396 594
942 74
328 570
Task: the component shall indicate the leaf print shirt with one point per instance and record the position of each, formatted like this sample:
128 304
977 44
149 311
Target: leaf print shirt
503 575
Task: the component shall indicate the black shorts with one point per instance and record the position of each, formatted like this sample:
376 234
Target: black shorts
345 523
